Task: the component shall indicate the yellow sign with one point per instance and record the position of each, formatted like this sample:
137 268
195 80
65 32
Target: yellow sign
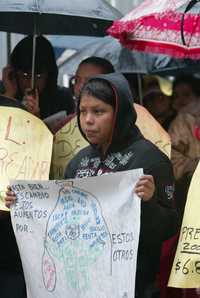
68 140
25 148
185 271
152 130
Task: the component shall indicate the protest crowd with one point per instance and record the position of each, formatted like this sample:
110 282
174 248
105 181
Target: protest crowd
106 105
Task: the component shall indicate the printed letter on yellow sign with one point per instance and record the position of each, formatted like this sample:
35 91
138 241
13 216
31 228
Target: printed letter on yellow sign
185 272
25 148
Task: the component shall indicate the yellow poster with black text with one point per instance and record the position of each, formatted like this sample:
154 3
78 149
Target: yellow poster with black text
25 148
152 130
67 142
185 271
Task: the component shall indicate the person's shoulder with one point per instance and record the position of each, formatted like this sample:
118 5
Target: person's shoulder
184 119
192 108
65 99
82 153
63 91
9 102
149 151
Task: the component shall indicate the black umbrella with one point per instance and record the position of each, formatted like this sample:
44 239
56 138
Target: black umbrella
77 17
88 17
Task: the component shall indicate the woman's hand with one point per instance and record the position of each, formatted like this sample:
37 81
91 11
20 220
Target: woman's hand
31 102
10 197
145 187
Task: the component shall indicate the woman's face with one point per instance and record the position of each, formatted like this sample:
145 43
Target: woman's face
24 81
83 73
96 120
182 95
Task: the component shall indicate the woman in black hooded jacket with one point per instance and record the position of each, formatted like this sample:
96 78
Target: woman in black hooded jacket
106 119
120 146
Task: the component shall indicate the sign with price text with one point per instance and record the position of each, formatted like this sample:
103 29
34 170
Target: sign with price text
185 272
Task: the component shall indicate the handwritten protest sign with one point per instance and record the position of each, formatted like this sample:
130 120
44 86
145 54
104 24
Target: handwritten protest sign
78 238
186 267
68 140
25 148
152 130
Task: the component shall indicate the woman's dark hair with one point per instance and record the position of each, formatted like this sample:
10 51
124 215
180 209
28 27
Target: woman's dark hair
21 58
100 89
103 63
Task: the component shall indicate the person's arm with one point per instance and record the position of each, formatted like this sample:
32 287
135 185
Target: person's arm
31 102
159 213
162 171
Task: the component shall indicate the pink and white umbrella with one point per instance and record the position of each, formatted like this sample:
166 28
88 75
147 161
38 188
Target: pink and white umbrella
169 27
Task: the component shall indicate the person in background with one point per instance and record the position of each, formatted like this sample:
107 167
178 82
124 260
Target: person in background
185 143
12 284
185 90
160 106
47 98
88 67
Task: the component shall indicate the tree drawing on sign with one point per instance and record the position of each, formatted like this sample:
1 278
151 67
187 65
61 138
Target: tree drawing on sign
76 236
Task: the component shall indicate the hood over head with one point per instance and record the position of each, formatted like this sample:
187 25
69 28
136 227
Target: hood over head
122 101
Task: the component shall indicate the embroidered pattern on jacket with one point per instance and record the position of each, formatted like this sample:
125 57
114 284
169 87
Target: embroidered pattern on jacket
94 166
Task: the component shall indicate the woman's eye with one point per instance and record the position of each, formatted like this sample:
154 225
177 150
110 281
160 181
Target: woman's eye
99 112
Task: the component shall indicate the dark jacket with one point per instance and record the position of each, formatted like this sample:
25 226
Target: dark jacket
130 150
55 100
9 255
60 99
5 101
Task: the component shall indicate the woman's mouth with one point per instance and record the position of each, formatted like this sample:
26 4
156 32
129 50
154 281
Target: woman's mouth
90 133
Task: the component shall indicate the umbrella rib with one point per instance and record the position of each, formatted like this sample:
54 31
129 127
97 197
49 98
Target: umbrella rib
37 4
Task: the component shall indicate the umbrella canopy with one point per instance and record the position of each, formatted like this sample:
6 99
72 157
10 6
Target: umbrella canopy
88 17
70 43
123 59
162 26
109 48
75 42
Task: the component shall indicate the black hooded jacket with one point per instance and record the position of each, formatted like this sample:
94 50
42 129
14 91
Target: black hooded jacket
9 102
130 150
